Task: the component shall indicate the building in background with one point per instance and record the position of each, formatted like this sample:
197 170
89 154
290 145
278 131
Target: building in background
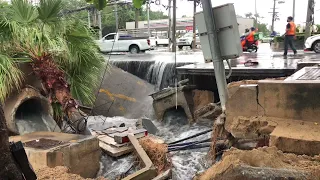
183 25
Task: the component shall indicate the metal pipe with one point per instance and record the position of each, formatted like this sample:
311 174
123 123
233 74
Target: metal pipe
194 24
148 16
174 16
294 9
189 143
169 26
190 137
218 64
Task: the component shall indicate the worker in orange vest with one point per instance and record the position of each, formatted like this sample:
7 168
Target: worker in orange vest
290 36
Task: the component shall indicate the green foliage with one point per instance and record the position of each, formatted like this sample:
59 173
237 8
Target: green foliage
32 33
99 4
299 37
263 28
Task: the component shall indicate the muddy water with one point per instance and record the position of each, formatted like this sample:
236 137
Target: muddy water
185 163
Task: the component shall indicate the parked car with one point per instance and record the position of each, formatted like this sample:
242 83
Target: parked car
266 39
161 40
187 40
114 42
313 43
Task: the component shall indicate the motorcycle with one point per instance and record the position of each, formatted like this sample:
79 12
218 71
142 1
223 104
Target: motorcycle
252 47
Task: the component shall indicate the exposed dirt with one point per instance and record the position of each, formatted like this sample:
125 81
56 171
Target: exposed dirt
202 98
60 173
238 83
157 153
269 157
43 143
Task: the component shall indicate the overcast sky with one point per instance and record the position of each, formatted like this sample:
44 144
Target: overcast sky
245 6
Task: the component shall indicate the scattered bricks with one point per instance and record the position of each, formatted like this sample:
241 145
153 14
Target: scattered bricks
261 173
209 111
297 137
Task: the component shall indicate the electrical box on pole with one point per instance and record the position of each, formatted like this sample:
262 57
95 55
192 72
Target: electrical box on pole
227 31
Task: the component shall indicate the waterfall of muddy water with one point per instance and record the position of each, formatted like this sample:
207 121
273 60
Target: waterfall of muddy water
185 163
160 73
30 117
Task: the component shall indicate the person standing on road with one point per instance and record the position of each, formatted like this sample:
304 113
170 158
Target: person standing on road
290 36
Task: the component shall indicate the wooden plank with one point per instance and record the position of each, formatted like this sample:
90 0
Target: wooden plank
115 151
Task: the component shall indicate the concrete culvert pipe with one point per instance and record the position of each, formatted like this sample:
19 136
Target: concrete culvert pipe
28 111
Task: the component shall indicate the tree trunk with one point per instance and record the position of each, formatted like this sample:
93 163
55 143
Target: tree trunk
8 168
136 23
58 89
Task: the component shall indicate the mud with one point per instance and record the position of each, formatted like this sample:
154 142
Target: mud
266 157
202 98
60 173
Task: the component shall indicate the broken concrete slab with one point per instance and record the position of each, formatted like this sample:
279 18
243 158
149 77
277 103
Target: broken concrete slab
149 126
297 137
209 111
148 171
81 154
167 99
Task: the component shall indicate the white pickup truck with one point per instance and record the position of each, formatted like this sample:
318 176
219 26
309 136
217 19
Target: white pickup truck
187 40
313 43
115 42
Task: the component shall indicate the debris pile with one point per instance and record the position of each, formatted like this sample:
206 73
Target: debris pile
60 173
157 153
237 164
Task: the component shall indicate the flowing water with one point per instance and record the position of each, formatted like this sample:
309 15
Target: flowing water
185 163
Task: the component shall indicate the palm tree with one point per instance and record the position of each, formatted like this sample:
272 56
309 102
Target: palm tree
60 50
248 15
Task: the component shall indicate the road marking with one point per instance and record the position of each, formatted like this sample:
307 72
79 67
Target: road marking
120 96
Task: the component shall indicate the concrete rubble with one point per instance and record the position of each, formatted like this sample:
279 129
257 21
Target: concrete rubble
197 104
283 113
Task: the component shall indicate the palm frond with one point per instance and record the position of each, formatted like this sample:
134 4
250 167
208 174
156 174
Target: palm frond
10 77
49 11
85 63
23 12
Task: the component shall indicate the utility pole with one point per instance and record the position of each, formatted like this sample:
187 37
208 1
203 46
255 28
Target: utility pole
89 19
218 64
169 27
194 24
116 16
273 15
255 13
148 16
309 19
174 45
294 10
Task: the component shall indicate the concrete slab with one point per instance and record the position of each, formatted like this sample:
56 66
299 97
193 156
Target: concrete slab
81 154
148 171
149 126
297 137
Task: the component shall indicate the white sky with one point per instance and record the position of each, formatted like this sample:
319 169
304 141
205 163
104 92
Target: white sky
245 6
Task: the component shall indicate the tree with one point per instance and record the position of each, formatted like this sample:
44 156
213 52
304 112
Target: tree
248 15
60 50
8 168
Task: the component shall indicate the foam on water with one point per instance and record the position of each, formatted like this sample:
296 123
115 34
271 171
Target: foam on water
185 163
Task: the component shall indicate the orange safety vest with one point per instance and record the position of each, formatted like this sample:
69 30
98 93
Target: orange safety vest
251 36
292 30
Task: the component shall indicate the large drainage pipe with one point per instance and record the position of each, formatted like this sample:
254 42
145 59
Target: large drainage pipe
28 111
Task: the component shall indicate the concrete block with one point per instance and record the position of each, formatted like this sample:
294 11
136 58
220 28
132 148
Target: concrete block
243 102
164 101
202 98
297 100
297 137
81 154
149 126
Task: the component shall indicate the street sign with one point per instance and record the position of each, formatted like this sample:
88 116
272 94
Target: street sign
227 31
